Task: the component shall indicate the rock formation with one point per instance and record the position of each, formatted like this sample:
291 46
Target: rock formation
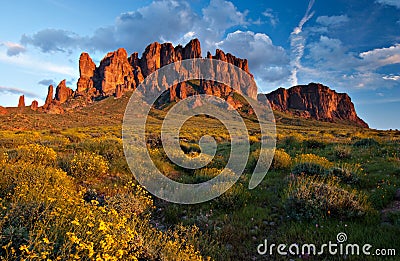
21 101
63 93
86 71
315 101
34 105
49 97
117 73
114 70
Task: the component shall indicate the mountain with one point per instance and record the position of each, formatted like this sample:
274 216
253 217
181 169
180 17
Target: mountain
314 101
119 73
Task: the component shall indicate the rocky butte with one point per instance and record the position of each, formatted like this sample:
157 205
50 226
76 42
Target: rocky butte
118 73
314 101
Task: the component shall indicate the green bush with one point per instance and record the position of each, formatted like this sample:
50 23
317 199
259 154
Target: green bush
292 141
367 142
342 152
204 174
235 197
345 175
314 144
307 168
87 165
313 197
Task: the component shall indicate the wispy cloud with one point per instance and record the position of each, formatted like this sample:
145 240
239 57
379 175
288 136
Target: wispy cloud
297 43
14 49
395 3
273 18
332 20
379 101
18 91
31 63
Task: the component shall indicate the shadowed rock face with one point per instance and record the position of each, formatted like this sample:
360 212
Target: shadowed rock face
314 101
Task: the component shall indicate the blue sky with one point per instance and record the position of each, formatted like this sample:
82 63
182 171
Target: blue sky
352 46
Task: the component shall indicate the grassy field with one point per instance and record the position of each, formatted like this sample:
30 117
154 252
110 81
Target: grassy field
66 192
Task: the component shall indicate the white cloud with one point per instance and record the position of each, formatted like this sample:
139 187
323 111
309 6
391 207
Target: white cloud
329 53
395 3
391 77
220 15
380 57
266 60
134 30
329 61
273 18
332 20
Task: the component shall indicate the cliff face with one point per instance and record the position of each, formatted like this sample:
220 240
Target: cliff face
314 101
117 73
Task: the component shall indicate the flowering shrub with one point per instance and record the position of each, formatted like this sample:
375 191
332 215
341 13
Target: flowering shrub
87 165
37 154
3 157
281 160
314 159
43 217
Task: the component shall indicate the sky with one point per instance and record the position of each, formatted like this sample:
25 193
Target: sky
352 46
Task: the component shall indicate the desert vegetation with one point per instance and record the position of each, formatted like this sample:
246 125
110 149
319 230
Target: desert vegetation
68 194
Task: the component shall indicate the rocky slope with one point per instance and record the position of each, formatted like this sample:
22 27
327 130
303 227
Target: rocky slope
314 101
